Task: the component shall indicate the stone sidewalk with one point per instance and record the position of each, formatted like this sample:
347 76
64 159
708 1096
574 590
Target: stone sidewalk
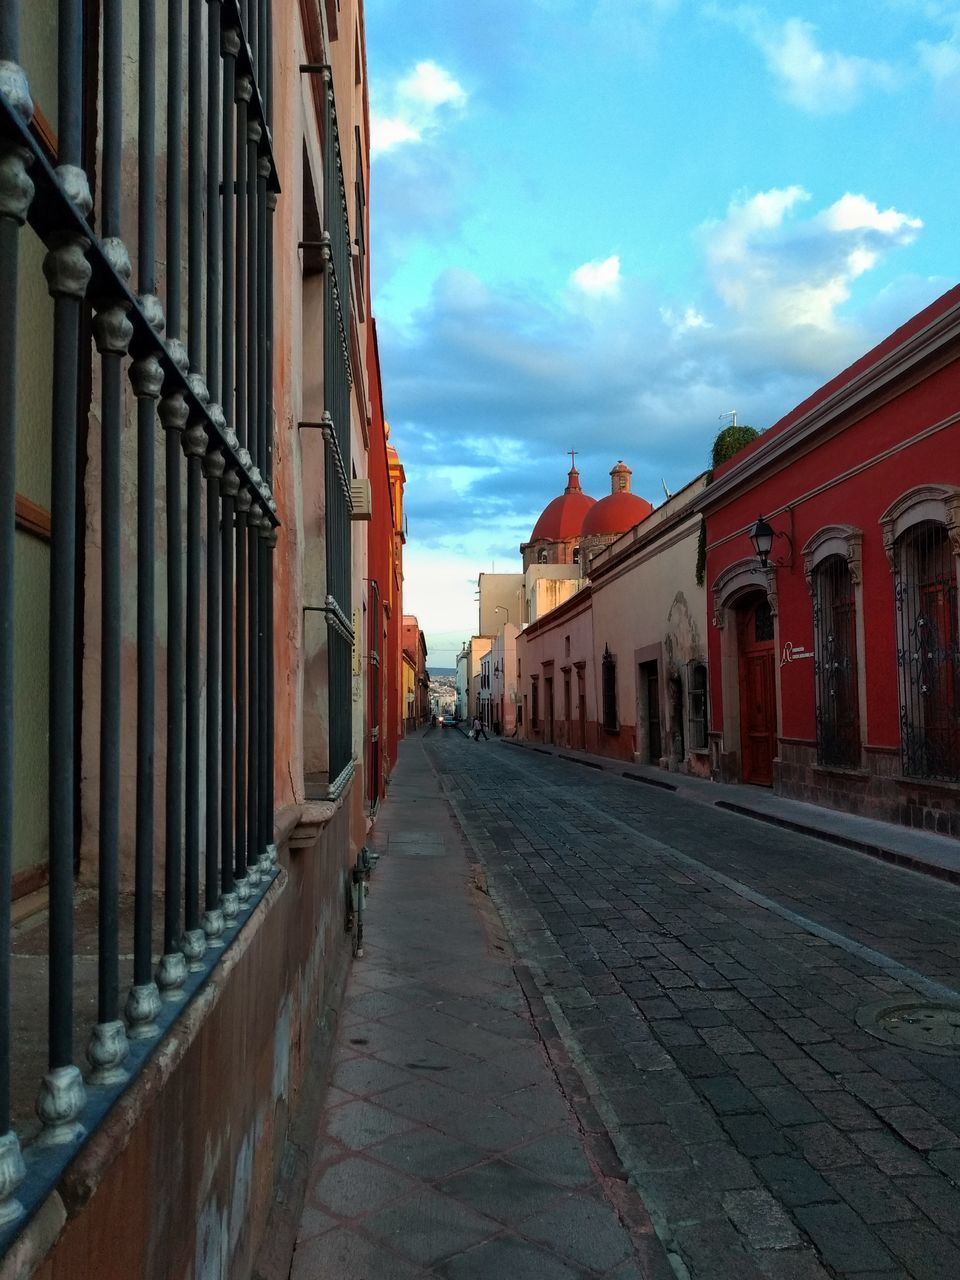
450 1148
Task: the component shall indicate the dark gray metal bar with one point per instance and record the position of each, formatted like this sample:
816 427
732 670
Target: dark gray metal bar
112 333
195 440
246 877
214 241
68 274
194 942
229 486
213 913
254 848
172 970
146 375
16 192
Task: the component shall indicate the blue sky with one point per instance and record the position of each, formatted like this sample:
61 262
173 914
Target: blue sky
601 224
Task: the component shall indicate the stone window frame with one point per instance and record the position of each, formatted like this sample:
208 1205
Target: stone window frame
846 541
936 503
737 580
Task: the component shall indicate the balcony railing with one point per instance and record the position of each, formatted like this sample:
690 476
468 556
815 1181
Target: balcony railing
200 368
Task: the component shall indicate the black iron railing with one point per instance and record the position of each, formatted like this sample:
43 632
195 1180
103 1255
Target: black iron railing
337 381
211 397
928 652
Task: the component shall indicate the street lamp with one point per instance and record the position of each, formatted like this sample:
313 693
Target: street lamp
762 536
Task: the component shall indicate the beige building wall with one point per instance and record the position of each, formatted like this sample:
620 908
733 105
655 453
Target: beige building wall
501 601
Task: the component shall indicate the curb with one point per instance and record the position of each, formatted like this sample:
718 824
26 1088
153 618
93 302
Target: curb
891 856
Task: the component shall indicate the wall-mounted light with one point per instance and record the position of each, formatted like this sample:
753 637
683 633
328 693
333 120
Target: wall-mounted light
762 536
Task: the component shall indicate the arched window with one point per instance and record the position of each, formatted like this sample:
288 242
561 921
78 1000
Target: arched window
928 651
611 715
542 557
835 641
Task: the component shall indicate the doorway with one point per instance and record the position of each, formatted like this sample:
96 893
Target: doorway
650 691
758 690
581 711
548 708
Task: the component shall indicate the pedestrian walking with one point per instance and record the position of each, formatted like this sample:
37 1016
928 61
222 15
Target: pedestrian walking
478 729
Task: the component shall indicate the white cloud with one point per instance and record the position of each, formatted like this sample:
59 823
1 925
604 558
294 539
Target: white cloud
785 272
598 278
821 81
417 101
681 322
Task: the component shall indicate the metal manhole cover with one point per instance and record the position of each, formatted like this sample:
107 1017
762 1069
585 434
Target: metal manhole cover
917 1024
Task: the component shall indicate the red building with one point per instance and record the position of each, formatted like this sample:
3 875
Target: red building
385 591
835 666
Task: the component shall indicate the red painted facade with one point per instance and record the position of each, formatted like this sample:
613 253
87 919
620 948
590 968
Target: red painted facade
384 593
855 477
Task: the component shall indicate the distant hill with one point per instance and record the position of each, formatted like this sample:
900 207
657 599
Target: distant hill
442 671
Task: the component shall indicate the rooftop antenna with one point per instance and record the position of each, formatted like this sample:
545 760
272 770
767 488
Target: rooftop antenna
729 419
666 491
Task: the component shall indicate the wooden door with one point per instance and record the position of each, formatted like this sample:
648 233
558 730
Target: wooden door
758 692
581 711
548 698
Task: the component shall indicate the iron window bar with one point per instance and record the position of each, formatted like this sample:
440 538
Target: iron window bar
231 470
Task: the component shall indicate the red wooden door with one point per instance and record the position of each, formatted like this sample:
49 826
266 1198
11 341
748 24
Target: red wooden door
758 693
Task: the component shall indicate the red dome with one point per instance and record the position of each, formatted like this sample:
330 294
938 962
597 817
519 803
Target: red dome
616 513
563 517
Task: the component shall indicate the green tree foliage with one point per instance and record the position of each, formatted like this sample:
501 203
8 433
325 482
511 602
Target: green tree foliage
729 441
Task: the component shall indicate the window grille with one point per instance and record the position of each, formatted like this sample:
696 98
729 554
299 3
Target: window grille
697 705
199 361
928 652
337 382
611 719
835 640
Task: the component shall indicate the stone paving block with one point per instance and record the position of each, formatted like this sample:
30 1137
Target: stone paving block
793 1264
948 1162
349 1255
754 1135
506 1257
845 1112
714 1248
719 1166
919 1128
825 1147
363 1076
583 1230
937 1198
924 1251
355 1186
693 1123
427 1154
794 1181
726 1041
699 1061
758 1216
843 1239
655 1146
890 1154
754 1070
360 1124
429 1227
557 1156
728 1096
872 1195
874 1090
787 1105
808 1075
502 1191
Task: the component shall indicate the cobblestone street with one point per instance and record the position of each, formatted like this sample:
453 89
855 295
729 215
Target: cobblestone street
713 979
